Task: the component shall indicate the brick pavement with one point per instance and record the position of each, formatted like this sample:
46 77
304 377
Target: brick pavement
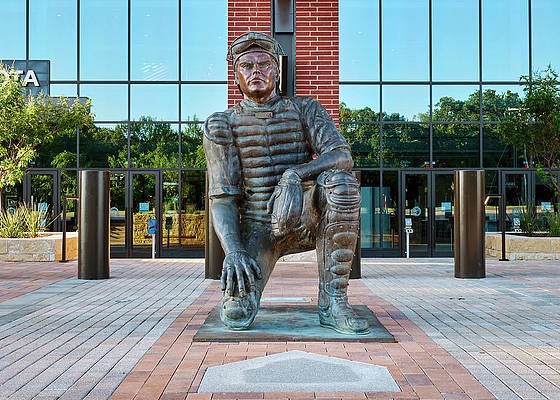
457 339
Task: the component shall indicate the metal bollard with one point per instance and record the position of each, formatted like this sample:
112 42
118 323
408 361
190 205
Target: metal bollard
93 225
469 224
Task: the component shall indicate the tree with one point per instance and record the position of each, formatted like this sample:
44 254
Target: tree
535 125
27 121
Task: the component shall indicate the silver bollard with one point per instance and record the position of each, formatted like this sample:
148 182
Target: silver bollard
93 225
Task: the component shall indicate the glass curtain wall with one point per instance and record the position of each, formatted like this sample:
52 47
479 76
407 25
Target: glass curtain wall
423 83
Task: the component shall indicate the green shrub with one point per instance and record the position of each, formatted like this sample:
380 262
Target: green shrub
529 221
553 221
22 222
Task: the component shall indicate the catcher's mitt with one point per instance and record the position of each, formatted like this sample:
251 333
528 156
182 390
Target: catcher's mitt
286 203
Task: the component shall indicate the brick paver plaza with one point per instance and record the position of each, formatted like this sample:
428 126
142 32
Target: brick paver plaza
130 337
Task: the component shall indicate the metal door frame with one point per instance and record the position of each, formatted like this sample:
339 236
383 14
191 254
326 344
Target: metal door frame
129 197
56 198
431 234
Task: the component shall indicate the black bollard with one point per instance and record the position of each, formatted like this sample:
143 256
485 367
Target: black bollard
469 224
93 225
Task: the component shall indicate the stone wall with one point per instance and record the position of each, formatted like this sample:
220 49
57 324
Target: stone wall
192 233
44 248
523 247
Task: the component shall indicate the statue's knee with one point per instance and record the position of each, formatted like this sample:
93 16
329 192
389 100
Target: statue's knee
340 189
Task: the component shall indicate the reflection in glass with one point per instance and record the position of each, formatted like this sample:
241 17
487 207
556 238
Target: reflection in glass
118 215
405 40
516 198
69 187
369 212
108 102
60 153
406 145
154 40
546 31
43 197
505 40
359 40
444 213
455 40
416 211
406 102
160 102
456 103
456 145
13 27
357 97
62 90
199 101
499 99
143 208
104 146
192 154
154 145
192 209
363 139
495 152
203 40
103 39
52 36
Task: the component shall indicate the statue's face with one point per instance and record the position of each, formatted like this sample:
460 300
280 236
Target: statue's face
256 74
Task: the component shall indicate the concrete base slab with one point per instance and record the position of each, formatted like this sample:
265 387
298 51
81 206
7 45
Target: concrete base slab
297 371
275 323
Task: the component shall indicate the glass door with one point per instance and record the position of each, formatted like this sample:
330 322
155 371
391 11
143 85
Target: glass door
118 215
443 214
42 192
144 205
518 190
416 214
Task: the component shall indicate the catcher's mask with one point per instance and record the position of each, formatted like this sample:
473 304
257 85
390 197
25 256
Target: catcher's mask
243 45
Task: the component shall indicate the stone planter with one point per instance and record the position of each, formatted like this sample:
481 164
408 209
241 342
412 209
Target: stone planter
47 247
523 247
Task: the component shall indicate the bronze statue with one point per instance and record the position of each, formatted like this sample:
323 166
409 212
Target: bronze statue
280 182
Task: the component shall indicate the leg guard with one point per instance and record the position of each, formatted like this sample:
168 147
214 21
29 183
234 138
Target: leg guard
337 235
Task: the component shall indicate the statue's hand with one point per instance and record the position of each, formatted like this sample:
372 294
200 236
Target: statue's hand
286 203
241 269
218 125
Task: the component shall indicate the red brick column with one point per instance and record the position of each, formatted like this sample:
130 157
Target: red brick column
317 52
316 46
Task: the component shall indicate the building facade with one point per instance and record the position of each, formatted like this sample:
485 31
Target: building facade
416 86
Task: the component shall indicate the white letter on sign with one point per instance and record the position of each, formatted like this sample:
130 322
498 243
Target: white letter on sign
30 77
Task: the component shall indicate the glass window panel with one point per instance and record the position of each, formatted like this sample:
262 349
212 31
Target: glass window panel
154 145
406 145
12 27
154 40
60 153
456 145
405 40
498 99
358 97
192 155
546 31
160 102
363 138
359 40
455 40
456 103
204 40
199 101
496 154
63 90
109 102
104 146
406 102
104 39
52 36
505 41
369 212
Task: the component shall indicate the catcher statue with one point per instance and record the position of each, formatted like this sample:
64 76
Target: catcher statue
280 182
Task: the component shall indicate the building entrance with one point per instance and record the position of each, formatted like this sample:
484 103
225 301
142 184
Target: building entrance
427 212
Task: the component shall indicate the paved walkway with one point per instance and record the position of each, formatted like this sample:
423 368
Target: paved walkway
130 337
